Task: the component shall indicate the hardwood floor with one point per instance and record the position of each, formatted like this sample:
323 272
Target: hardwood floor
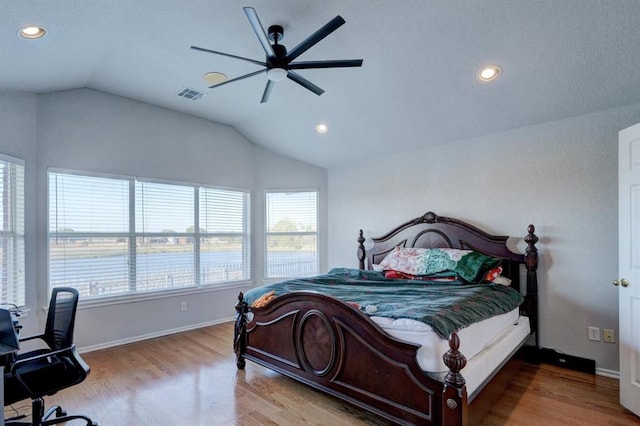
191 379
548 395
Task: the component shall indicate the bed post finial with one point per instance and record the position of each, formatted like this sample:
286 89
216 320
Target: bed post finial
362 253
531 252
455 361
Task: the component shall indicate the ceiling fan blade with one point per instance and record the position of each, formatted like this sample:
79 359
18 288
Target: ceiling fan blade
229 55
326 64
304 82
267 91
259 30
242 77
314 38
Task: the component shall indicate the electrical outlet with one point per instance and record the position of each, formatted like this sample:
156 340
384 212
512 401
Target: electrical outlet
183 306
594 334
609 335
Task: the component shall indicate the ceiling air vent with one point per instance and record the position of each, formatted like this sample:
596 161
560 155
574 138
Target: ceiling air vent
192 94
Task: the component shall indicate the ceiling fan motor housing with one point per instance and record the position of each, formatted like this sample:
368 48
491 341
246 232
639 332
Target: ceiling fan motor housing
280 51
276 33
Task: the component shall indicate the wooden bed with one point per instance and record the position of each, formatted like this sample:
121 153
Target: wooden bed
333 347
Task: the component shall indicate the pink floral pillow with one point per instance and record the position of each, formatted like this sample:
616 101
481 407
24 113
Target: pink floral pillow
471 266
421 261
402 259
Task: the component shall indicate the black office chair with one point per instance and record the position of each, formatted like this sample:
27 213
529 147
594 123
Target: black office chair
41 372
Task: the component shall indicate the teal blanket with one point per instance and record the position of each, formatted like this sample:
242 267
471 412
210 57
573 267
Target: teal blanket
445 307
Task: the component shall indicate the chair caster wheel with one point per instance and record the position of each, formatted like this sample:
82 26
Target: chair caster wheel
240 362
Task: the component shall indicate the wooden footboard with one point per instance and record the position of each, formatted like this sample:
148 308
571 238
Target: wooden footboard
312 338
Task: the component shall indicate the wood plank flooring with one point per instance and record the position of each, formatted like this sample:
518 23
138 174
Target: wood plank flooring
191 379
548 395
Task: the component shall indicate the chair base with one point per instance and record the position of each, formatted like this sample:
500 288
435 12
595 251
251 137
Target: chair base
41 418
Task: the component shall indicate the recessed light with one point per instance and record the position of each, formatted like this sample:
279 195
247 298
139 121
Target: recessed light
489 73
214 78
322 128
32 32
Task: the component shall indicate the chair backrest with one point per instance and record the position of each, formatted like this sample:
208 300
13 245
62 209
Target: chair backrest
61 318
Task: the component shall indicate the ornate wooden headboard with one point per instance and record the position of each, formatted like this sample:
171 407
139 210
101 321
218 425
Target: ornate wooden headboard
433 231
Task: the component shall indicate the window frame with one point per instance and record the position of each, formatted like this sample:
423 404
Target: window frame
134 234
303 234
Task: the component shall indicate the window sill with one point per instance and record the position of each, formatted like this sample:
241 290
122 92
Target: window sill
141 297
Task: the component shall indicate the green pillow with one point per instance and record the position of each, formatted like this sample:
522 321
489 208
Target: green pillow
473 266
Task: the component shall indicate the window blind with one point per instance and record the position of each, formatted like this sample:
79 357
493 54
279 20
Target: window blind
114 236
12 240
165 236
89 234
224 235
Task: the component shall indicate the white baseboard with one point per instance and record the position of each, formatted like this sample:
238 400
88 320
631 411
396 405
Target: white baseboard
162 333
608 373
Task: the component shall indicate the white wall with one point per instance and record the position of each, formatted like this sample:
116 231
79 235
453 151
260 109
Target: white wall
560 176
93 131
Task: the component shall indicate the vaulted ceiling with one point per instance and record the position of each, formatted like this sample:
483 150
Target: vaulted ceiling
417 86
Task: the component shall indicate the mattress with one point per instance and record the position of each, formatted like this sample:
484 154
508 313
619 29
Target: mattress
473 339
481 367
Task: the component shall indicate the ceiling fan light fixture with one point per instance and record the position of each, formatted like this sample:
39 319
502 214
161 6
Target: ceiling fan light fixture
277 74
32 32
489 73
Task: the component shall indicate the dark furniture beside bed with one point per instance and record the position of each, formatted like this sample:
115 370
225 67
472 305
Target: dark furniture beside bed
333 347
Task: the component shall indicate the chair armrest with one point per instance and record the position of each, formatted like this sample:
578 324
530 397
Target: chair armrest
20 362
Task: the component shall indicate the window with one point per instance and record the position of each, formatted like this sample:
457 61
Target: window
12 253
89 234
165 236
223 236
292 234
115 236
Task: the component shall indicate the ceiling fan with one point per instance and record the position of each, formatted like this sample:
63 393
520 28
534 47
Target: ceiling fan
279 63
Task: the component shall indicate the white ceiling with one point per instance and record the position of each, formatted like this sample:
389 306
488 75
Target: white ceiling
417 86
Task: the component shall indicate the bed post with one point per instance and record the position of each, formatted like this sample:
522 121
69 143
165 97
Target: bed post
454 392
240 331
362 253
531 262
